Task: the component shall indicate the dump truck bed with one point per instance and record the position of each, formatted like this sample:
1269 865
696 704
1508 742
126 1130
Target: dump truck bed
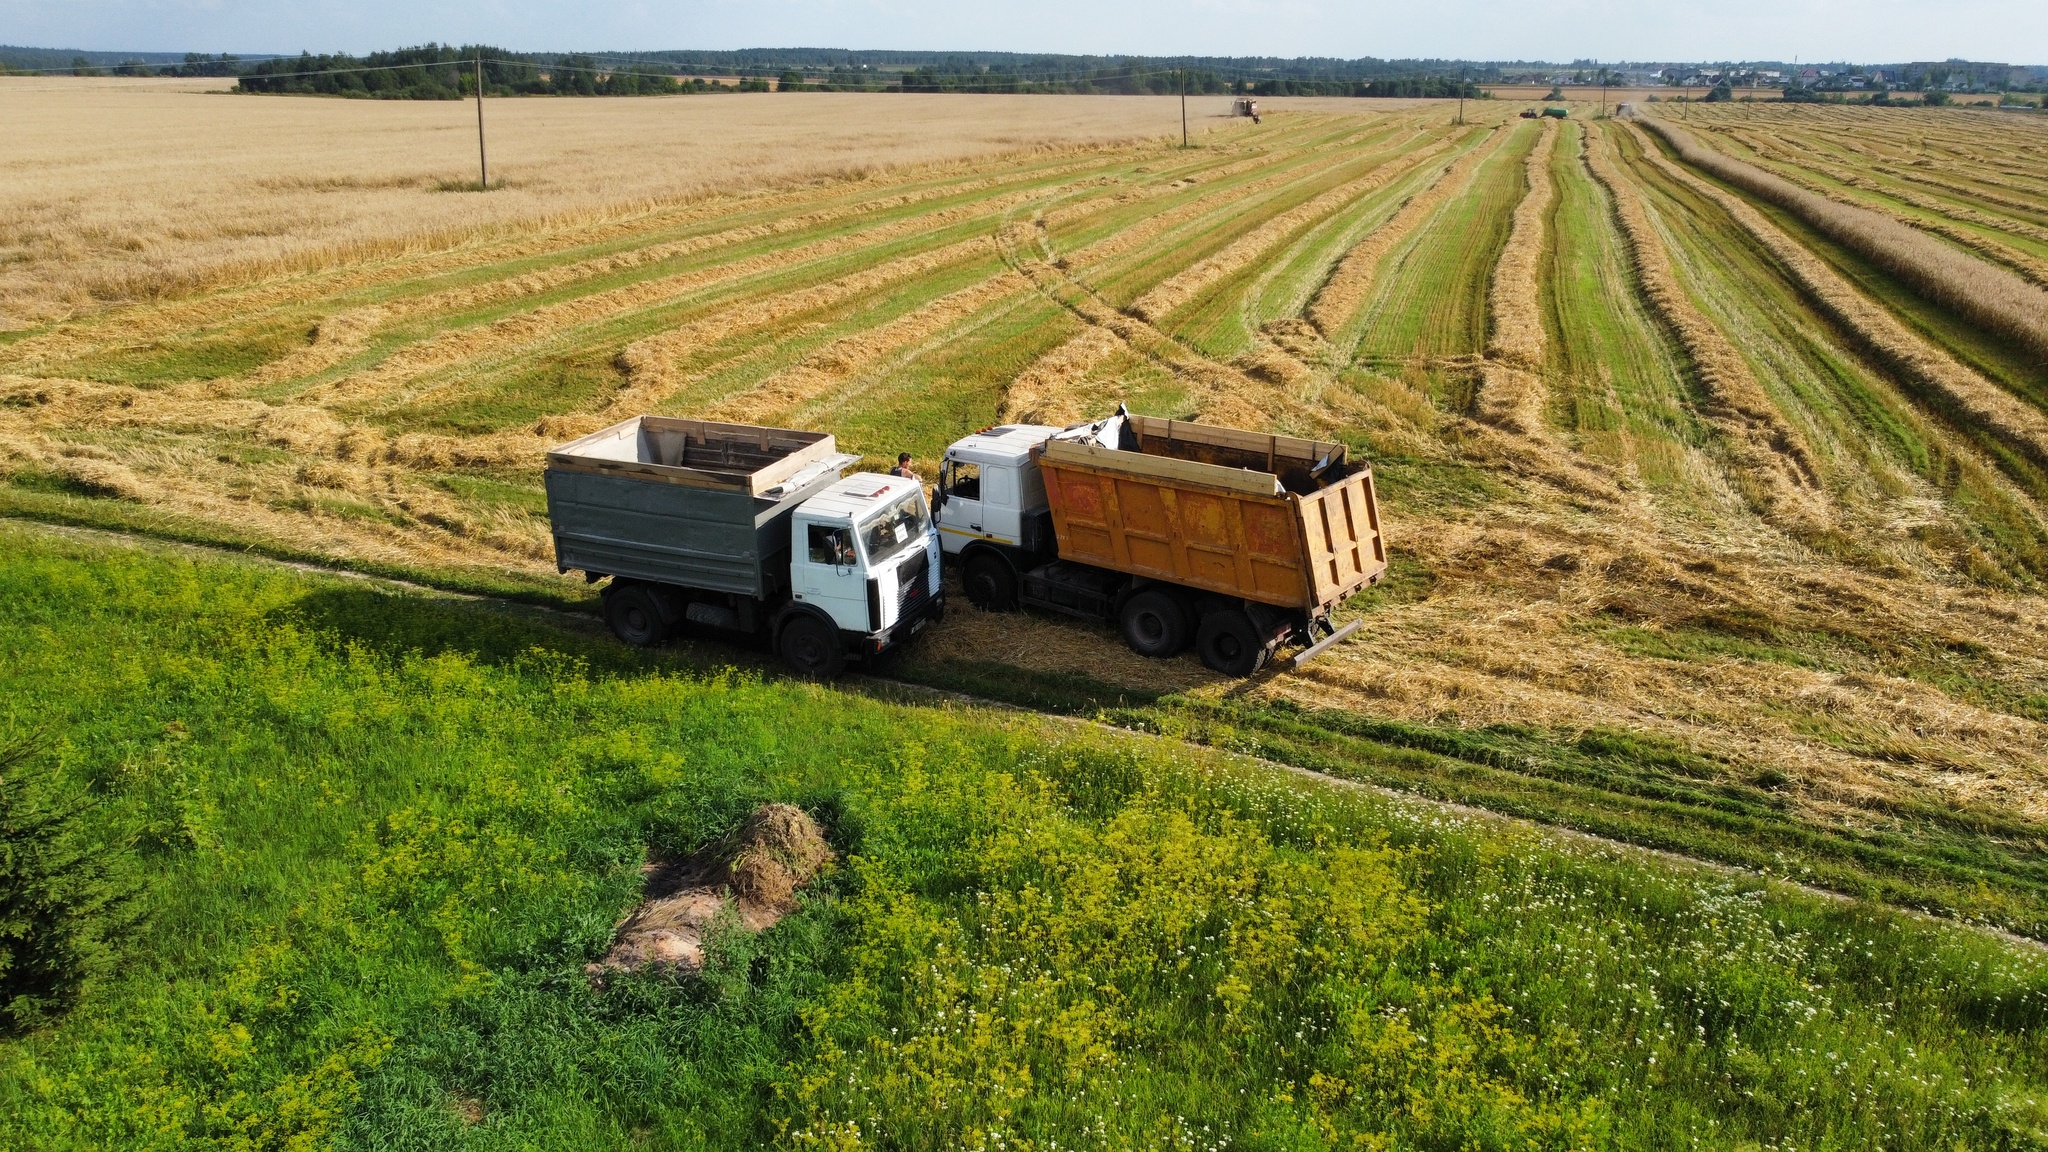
689 502
1274 519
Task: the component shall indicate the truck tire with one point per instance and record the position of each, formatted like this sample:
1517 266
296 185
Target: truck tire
1154 624
990 583
811 648
634 616
1229 644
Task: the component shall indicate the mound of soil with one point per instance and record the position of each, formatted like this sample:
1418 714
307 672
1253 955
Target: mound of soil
755 874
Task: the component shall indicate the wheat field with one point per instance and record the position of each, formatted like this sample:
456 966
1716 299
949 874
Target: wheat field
1663 461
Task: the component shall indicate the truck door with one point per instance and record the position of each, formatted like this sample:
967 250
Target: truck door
960 508
999 510
825 570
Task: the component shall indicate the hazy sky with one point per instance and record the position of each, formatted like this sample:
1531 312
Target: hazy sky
1872 30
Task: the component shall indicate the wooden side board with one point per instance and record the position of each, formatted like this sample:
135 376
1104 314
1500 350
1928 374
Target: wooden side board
766 457
1271 451
1164 468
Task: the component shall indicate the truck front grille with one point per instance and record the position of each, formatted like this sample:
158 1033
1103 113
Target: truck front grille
913 585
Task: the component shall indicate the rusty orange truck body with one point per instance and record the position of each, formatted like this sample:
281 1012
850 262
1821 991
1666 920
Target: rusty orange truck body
1225 511
1239 542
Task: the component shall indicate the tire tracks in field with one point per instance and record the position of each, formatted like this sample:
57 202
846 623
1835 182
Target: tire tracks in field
650 363
1177 290
511 336
826 371
1050 389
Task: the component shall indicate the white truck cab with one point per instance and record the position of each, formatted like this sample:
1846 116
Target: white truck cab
865 556
990 491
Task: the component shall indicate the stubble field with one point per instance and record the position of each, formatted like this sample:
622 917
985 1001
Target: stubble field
1718 523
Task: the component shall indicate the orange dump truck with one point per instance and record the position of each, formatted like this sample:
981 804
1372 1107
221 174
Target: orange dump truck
1239 542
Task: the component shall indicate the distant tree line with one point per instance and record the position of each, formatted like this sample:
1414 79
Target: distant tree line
446 72
1113 82
430 72
1401 86
29 61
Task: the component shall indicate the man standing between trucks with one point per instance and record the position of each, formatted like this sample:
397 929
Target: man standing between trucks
902 468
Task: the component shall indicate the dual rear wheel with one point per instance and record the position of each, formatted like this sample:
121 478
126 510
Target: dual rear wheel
1229 643
1155 623
807 644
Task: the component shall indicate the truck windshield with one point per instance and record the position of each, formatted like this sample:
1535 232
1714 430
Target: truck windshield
899 526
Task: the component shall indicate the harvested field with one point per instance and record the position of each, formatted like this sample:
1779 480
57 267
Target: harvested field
218 186
1744 559
1988 295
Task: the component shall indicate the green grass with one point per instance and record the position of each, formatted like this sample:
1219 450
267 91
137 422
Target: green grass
1221 321
1615 375
1965 860
381 833
208 354
1430 299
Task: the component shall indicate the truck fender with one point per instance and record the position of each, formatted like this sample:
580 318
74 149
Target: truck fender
793 610
1008 555
1276 622
667 600
1131 587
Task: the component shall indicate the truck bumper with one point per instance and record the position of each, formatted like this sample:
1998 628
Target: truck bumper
900 633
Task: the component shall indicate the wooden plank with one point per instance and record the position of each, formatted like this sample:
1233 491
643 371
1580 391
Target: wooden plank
1236 480
652 473
1283 447
1325 644
800 450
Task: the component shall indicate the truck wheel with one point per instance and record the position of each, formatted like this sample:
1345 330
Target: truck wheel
990 583
634 616
811 647
1229 644
1154 624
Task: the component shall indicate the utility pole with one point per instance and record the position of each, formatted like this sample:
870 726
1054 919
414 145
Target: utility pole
1183 107
483 167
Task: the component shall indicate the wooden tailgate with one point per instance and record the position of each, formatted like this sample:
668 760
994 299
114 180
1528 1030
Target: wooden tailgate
1341 528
